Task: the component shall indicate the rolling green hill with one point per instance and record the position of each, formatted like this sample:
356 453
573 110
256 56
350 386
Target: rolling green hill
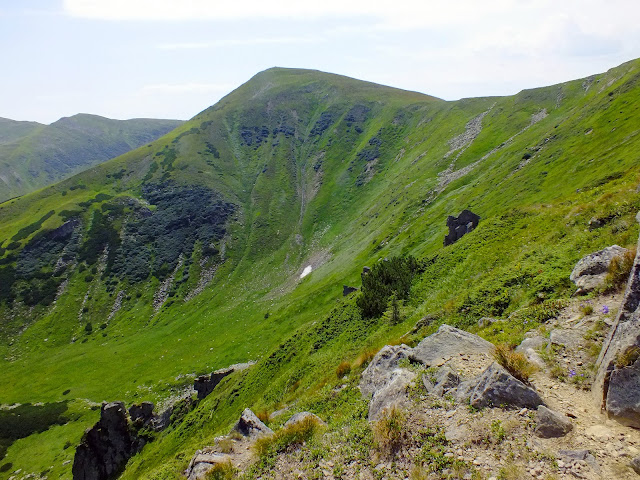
186 255
33 155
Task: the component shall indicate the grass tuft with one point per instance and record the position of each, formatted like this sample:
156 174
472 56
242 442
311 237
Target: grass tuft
343 369
389 431
295 434
222 471
619 270
514 362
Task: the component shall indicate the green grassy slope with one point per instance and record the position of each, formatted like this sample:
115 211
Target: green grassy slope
320 170
34 155
11 130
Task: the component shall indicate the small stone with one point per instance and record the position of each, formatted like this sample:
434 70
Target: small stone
635 464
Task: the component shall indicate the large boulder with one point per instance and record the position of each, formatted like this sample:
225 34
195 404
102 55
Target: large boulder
395 393
590 271
107 446
497 387
249 425
551 424
303 416
617 383
460 226
449 342
380 371
204 384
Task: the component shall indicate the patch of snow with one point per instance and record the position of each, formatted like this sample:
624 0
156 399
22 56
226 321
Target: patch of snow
306 271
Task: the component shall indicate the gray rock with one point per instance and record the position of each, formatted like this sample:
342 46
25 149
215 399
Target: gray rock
447 342
249 425
393 393
301 417
617 387
379 372
635 465
202 463
533 357
496 387
565 338
205 384
446 379
551 424
460 226
590 271
573 454
347 290
141 413
532 342
486 321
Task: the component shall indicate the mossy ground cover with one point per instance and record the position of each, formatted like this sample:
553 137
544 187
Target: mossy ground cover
338 191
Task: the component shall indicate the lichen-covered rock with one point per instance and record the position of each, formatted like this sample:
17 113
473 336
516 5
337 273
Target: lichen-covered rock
301 417
590 271
445 380
379 372
446 343
249 425
395 393
617 382
551 424
202 463
497 387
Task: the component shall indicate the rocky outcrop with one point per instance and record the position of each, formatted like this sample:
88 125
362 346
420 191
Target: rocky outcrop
202 463
204 384
617 382
460 226
141 413
590 271
394 393
497 387
249 425
551 424
445 380
380 371
107 446
303 416
446 343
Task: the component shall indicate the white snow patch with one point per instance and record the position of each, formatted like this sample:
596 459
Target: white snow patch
306 271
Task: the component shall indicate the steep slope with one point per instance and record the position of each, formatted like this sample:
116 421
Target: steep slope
11 130
34 155
186 255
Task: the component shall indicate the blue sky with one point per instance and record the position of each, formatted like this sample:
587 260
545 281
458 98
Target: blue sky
172 59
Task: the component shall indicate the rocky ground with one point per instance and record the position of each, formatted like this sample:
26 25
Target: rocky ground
438 437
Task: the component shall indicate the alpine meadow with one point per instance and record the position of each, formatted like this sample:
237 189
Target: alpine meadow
300 223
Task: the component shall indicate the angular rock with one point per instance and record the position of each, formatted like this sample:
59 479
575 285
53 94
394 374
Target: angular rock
249 425
446 379
486 321
460 226
202 463
107 446
142 413
302 416
635 465
590 271
347 290
533 357
532 342
379 372
565 338
617 383
446 343
205 384
394 393
496 387
550 424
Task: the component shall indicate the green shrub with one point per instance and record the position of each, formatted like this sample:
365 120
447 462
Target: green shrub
267 447
619 270
222 471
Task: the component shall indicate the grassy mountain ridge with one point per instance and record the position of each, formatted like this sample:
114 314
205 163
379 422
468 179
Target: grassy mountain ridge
302 168
34 155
